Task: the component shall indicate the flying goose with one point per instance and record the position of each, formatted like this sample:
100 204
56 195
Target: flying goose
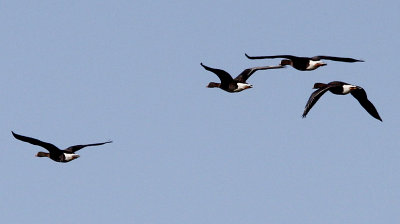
341 88
305 63
55 153
237 84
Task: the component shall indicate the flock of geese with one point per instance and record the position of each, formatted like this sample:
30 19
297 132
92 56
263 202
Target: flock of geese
239 83
230 84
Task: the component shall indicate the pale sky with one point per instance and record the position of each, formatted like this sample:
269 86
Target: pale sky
78 72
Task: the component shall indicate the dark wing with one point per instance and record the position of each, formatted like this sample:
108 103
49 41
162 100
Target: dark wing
50 147
291 57
242 77
317 58
75 148
361 96
314 98
222 75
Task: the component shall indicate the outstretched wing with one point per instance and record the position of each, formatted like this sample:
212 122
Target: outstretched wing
222 75
317 58
314 98
50 147
75 148
361 96
242 77
273 56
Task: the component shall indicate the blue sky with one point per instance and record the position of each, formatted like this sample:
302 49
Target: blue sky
76 72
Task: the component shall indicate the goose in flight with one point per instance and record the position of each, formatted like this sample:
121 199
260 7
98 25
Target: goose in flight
237 84
305 63
55 153
341 88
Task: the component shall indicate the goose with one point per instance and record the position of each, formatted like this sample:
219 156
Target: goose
341 88
55 153
237 84
305 63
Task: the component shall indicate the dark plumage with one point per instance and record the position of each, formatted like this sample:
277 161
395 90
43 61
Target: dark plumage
305 63
55 153
341 88
237 84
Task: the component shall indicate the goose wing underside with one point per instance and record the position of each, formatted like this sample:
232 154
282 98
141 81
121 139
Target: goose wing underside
242 77
75 148
313 99
361 96
272 56
50 147
222 75
317 58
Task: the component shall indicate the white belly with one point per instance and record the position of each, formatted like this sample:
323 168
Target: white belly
69 157
242 86
346 88
313 65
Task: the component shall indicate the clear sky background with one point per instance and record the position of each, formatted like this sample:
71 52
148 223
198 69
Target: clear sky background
77 72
